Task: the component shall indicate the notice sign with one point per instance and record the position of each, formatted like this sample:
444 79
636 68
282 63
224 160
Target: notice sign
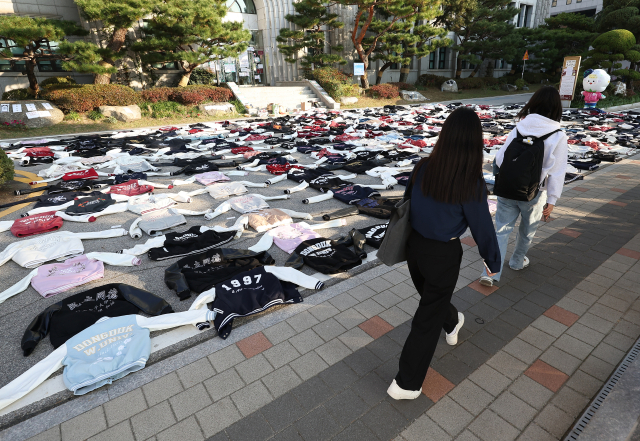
47 106
569 77
30 107
4 108
358 68
16 108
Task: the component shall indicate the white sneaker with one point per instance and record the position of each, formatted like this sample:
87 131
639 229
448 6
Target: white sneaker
452 338
486 281
398 393
524 265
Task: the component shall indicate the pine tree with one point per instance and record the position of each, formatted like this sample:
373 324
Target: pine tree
114 18
191 33
480 27
312 20
560 36
364 37
619 14
610 49
409 39
30 36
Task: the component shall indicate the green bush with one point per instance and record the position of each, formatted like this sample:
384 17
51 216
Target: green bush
202 76
336 83
384 91
430 80
166 109
520 83
6 168
84 98
404 86
72 116
54 82
239 107
16 95
195 94
94 115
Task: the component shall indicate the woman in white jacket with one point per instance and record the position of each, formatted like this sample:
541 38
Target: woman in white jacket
539 117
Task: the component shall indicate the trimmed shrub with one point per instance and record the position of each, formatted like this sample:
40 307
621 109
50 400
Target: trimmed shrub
83 98
16 95
6 167
336 83
156 94
202 76
384 91
54 82
404 86
430 80
195 94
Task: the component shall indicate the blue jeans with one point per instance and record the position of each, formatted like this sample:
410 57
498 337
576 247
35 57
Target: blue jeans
506 217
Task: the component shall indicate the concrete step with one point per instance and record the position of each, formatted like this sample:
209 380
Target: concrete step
289 97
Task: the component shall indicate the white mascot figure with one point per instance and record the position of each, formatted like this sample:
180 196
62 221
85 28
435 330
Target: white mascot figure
594 83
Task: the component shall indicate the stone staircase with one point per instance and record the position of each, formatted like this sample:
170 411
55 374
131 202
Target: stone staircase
288 97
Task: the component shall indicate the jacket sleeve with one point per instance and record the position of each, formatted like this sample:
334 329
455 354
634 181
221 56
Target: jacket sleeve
176 319
147 302
104 234
555 176
294 276
176 281
34 377
115 259
295 260
18 287
356 239
482 229
38 329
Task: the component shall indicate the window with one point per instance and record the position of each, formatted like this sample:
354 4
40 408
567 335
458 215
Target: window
170 65
432 60
256 39
45 65
243 6
568 2
554 3
442 57
8 65
499 64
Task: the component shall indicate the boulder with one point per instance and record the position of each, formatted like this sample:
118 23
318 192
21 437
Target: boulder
619 88
411 95
525 87
449 86
214 109
121 113
349 100
33 113
508 87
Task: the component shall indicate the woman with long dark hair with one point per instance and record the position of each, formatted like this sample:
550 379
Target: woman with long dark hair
448 194
538 118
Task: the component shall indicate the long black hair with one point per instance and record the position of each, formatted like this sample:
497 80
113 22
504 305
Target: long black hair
545 102
453 170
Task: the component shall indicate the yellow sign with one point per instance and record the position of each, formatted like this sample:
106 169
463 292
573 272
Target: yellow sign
526 56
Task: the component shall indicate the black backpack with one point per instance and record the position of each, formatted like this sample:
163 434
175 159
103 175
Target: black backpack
518 178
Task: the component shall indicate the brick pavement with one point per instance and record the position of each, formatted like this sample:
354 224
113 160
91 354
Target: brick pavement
532 354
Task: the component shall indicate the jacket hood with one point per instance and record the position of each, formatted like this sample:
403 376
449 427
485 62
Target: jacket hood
536 125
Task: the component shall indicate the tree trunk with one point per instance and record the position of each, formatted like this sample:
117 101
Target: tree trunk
404 73
475 71
364 79
116 42
31 75
384 67
458 66
184 79
103 78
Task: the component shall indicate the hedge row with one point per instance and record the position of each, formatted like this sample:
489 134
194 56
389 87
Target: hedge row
84 98
336 83
384 91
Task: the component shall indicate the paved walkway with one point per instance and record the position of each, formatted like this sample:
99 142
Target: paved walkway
532 353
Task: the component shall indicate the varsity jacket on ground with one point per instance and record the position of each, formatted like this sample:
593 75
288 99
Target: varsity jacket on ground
374 235
201 272
106 351
330 256
68 317
288 237
55 278
252 292
34 252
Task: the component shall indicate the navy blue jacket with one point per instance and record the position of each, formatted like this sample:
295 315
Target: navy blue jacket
440 221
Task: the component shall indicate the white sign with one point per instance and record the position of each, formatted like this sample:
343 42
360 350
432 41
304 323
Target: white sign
47 106
4 108
30 107
358 68
229 67
257 77
16 107
244 74
44 113
32 115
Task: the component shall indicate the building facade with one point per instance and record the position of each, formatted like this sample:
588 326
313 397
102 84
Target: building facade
262 64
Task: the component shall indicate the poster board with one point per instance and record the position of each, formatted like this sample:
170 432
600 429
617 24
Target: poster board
358 68
568 80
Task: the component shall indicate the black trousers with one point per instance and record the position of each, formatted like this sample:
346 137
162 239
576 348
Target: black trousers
434 268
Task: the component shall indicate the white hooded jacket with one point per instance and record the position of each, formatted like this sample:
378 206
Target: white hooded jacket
554 165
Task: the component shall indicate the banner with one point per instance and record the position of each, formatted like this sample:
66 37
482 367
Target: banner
569 77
